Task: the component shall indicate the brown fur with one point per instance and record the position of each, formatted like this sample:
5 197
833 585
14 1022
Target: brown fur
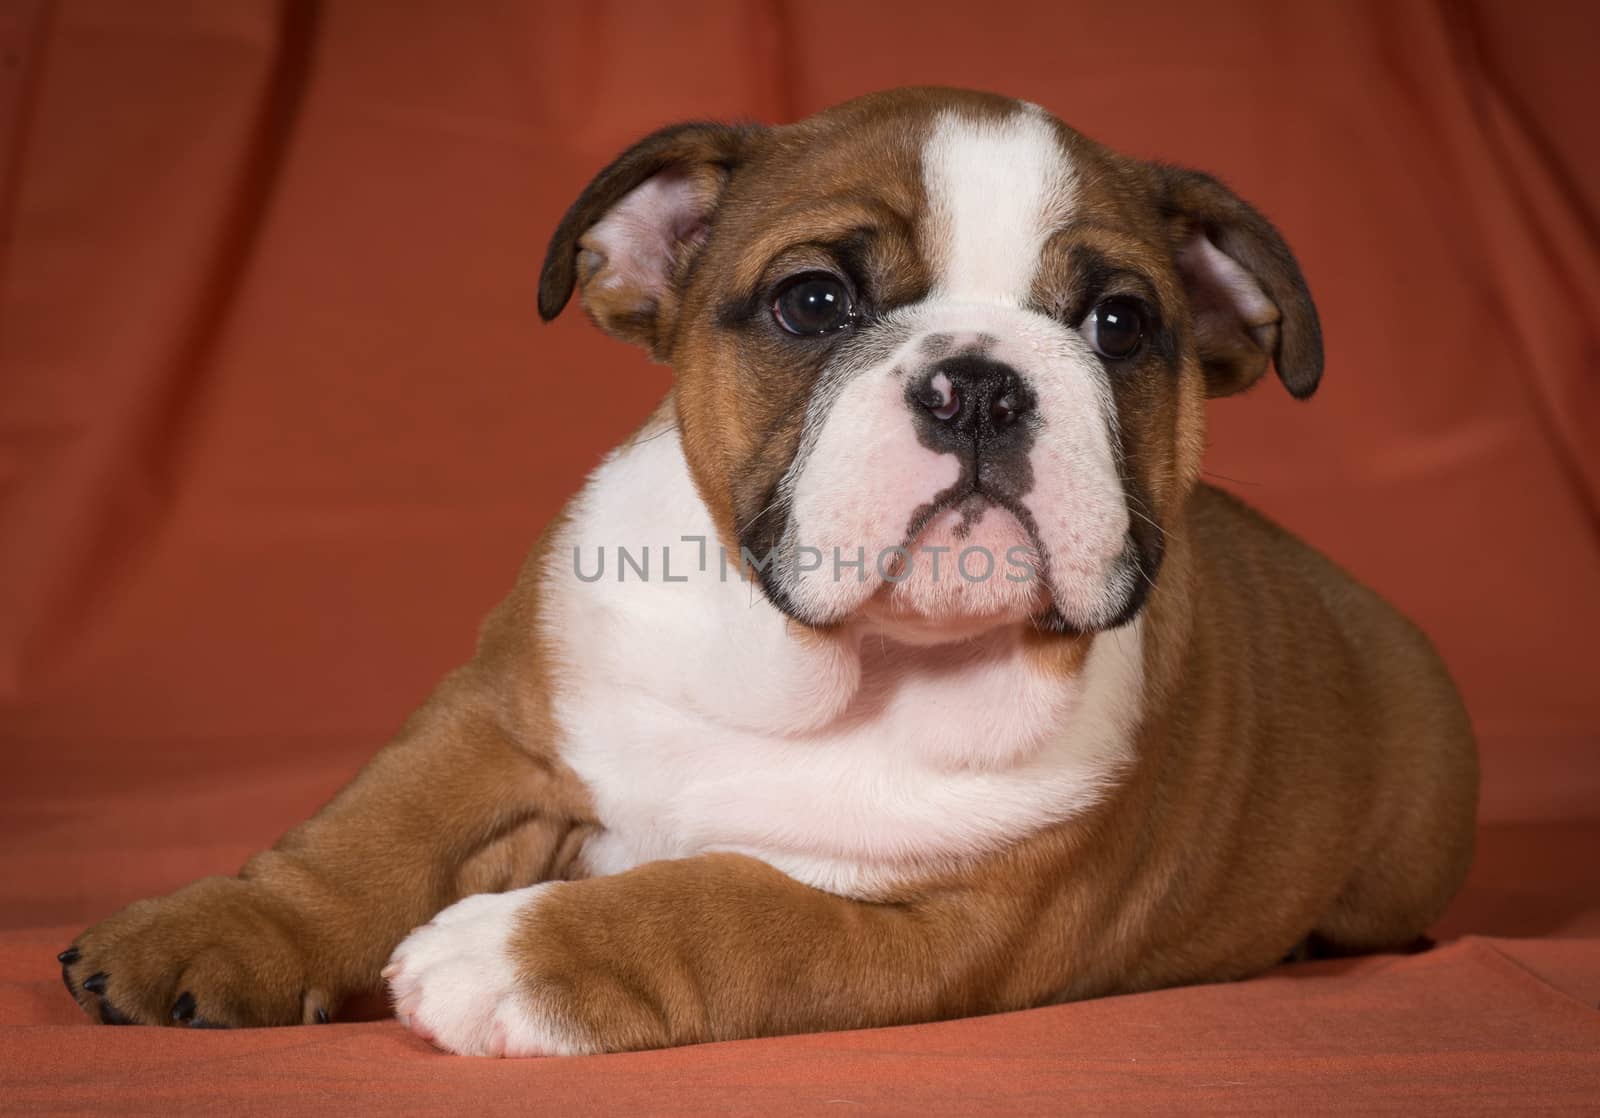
1303 766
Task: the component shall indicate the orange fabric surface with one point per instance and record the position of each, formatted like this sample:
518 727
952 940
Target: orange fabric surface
277 423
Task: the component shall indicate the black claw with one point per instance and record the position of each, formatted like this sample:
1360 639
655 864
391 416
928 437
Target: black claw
321 1015
110 1015
68 957
95 983
183 1008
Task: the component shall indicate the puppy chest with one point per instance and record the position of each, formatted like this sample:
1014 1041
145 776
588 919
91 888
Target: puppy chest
928 763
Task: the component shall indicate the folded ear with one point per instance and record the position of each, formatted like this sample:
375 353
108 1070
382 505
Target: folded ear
1249 300
627 241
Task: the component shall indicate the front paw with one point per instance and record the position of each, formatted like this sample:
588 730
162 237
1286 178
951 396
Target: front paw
461 984
216 954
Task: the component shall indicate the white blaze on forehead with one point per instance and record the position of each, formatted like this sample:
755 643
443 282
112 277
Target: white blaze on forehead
997 188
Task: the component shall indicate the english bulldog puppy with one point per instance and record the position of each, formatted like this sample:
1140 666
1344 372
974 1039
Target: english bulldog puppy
900 667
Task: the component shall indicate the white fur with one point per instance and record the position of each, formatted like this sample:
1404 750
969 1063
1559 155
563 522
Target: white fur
701 720
872 472
454 982
996 190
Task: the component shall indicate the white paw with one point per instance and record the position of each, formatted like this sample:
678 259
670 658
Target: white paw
454 983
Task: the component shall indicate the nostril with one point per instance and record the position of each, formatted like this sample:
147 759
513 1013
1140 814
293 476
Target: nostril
1004 410
941 398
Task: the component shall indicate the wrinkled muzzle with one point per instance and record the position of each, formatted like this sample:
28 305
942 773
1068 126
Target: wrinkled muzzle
959 462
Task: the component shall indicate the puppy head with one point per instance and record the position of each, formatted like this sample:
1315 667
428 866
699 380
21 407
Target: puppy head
941 360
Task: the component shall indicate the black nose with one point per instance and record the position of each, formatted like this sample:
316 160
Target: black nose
972 395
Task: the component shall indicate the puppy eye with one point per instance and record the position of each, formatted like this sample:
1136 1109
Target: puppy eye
813 304
1115 327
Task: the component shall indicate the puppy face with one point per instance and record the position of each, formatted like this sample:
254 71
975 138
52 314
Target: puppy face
940 360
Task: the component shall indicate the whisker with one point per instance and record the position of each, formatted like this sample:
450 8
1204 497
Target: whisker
667 430
1164 531
1135 505
1225 477
739 528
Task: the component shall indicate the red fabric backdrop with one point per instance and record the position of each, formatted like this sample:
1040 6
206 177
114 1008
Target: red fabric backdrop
277 422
